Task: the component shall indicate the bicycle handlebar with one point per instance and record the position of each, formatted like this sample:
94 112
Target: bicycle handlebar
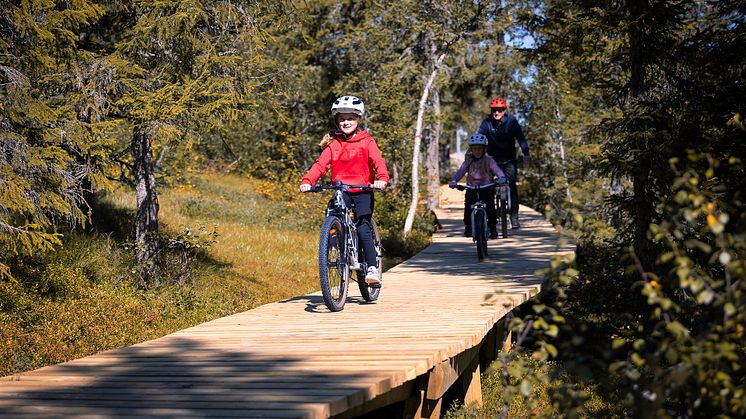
477 187
343 187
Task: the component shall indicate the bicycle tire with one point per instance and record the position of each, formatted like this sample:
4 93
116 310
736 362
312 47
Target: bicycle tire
334 270
366 291
504 218
479 234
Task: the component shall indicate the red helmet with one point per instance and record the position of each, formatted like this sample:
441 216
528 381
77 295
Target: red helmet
498 102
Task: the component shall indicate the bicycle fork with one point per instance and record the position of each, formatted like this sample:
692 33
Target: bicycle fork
352 247
477 212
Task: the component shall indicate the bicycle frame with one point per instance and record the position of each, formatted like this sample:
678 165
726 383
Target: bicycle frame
503 193
503 207
479 213
478 210
339 251
478 207
339 208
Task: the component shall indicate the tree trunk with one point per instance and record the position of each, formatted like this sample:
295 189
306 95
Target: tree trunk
416 146
146 220
432 162
643 200
556 135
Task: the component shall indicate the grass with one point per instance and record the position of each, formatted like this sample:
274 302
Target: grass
81 299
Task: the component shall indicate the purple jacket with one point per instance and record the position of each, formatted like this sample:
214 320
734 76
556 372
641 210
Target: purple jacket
476 176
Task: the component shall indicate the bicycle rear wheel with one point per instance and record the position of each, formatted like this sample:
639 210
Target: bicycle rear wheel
371 293
480 234
334 271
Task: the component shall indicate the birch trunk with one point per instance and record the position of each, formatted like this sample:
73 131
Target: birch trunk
416 146
432 163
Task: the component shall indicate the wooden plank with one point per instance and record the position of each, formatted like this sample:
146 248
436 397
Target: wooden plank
472 383
26 411
445 374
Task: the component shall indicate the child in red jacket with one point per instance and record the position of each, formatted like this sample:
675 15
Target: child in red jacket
355 159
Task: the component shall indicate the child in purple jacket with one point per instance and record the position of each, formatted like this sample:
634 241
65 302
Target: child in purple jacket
481 169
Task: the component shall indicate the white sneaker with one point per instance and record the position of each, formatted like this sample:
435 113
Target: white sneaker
372 276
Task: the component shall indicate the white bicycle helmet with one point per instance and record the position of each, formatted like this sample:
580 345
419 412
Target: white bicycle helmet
348 104
477 139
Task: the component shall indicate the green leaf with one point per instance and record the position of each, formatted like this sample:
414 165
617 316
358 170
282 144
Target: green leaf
706 296
677 329
552 350
525 388
722 376
672 356
553 330
637 359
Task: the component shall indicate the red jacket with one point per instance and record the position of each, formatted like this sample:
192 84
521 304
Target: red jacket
354 161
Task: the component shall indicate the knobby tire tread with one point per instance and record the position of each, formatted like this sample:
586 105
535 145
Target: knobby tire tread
367 292
335 301
504 218
479 235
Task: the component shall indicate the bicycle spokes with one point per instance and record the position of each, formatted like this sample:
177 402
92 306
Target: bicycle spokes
334 264
334 271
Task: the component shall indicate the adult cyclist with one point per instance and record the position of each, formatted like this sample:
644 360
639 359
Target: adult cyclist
502 131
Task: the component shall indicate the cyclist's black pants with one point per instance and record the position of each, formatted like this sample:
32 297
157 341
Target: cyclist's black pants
488 197
363 202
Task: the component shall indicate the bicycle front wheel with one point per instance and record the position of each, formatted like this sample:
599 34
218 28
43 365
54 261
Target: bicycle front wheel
480 234
366 291
334 271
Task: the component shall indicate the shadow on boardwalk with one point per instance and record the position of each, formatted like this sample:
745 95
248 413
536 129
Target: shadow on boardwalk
184 378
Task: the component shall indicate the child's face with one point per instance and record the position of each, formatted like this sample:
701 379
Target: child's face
347 122
477 150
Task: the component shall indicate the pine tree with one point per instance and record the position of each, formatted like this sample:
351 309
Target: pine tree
178 69
668 84
47 153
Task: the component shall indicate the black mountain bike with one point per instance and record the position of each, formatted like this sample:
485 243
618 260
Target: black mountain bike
341 260
503 207
479 228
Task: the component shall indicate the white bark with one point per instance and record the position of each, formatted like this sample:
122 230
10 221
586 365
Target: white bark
432 163
416 146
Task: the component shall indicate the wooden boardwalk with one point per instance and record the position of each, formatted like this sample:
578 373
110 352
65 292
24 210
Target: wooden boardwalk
432 328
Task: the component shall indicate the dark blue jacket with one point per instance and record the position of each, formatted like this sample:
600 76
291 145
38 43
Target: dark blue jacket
501 137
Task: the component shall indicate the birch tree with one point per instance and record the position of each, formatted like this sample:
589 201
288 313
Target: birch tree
432 163
417 142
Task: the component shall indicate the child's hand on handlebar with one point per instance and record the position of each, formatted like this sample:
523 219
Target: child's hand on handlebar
502 180
305 187
379 184
452 184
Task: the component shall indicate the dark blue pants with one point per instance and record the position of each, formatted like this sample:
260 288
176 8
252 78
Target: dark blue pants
488 197
363 203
